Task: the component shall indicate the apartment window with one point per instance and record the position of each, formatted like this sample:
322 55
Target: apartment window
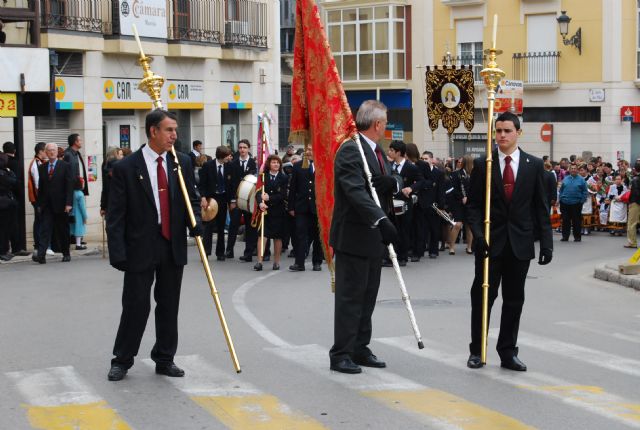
369 43
469 44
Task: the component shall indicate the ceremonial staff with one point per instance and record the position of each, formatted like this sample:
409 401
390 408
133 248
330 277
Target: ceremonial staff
263 144
492 76
152 84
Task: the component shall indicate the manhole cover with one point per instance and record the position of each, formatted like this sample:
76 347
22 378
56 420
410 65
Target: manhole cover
415 302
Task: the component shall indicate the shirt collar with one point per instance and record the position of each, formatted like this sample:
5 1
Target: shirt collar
150 154
218 163
371 143
400 164
515 156
196 153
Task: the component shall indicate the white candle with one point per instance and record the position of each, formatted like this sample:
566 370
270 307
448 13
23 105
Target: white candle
495 31
135 33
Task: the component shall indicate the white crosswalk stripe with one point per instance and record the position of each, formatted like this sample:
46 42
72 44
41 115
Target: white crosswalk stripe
604 329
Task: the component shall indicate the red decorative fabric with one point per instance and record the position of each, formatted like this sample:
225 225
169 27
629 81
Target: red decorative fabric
319 109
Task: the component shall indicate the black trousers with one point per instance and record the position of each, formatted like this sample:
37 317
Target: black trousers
7 227
50 224
36 227
307 234
357 284
571 217
434 231
418 232
404 224
216 225
250 233
507 270
136 307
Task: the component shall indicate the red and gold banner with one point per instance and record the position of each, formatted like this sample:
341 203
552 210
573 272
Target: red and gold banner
320 113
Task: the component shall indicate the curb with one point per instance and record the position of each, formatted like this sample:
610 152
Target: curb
56 257
609 272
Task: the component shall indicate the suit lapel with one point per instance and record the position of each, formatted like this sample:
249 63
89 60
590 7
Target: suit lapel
143 175
172 174
524 166
372 160
496 176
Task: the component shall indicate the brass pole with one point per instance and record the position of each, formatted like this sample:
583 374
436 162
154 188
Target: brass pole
261 249
152 84
492 76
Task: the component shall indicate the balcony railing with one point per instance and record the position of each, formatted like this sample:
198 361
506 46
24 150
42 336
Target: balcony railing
196 20
246 23
75 15
477 62
536 68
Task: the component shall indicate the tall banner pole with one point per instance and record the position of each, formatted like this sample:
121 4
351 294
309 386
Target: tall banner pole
492 76
152 85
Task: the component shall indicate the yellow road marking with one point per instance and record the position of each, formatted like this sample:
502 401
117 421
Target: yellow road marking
445 407
89 416
256 412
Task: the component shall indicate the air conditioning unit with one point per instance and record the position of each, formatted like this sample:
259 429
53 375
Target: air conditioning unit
236 27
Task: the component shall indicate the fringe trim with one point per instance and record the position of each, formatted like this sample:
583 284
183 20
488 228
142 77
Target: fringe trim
301 136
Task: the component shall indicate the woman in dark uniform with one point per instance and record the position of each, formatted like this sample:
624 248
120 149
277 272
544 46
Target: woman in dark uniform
272 200
457 200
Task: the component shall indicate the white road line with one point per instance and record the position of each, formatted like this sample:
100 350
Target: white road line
601 359
202 379
595 401
248 316
608 330
55 386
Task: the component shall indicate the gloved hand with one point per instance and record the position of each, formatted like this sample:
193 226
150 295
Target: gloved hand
384 184
480 247
546 255
388 231
196 231
120 265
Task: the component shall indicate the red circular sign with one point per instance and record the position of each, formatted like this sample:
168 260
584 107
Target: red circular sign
546 132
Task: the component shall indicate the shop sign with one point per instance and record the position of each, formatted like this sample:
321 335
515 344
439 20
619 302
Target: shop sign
184 94
630 113
509 96
236 95
8 105
149 17
121 93
596 95
69 93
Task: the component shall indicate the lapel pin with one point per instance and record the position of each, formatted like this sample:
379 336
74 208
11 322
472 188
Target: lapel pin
141 178
527 160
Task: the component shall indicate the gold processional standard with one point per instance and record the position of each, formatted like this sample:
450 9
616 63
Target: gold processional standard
152 84
491 76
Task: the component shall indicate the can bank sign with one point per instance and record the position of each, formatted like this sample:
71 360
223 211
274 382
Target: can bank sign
122 93
149 16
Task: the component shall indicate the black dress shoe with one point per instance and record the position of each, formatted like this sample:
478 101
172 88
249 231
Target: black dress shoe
346 366
169 370
317 267
81 247
415 259
245 258
370 361
474 362
387 263
228 254
40 260
116 373
296 268
564 239
220 258
514 363
257 267
578 239
402 263
276 266
66 258
433 255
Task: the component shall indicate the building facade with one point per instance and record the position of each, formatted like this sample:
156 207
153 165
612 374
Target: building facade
220 59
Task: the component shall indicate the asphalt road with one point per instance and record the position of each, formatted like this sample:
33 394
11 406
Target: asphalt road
580 338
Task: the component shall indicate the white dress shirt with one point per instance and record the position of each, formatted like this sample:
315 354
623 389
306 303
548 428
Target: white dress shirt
515 162
150 159
400 165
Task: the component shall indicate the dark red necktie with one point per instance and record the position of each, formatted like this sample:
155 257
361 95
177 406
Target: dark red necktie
50 170
380 160
507 178
163 194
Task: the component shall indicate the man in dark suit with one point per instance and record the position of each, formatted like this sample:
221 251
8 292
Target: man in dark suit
411 179
195 152
74 158
146 229
358 231
241 166
302 206
55 194
432 192
518 202
216 182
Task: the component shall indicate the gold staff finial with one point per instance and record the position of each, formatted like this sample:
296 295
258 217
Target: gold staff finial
150 83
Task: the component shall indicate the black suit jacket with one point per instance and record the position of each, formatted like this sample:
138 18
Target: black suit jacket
514 221
302 192
132 218
208 185
277 191
57 192
411 177
355 212
75 160
432 190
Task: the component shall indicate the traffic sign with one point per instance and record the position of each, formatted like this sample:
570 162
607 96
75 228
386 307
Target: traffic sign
8 105
546 132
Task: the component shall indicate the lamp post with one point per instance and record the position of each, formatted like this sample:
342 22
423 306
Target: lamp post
576 39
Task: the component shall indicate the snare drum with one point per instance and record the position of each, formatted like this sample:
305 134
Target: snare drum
246 198
399 206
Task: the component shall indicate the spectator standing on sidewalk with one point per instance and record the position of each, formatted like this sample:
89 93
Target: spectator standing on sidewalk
32 185
634 209
78 215
8 206
573 193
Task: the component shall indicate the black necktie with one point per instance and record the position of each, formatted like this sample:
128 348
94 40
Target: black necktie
396 167
220 184
243 161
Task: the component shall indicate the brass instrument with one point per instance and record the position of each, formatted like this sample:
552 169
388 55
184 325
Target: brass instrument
491 76
152 84
442 214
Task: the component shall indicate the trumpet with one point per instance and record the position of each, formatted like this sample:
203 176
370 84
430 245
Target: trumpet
442 214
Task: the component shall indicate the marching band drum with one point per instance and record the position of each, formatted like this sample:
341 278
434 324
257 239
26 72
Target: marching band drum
246 198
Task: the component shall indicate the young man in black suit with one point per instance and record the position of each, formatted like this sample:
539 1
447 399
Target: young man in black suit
216 182
146 229
359 230
432 192
302 206
518 202
55 194
241 166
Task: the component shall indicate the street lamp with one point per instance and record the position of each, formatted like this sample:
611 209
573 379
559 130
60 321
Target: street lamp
576 39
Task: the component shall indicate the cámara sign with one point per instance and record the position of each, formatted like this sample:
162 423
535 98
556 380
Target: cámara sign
149 16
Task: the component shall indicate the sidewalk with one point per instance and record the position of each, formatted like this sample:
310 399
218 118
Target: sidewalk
90 251
609 272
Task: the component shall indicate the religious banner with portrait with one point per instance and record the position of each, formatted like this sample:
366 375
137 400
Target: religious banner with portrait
450 97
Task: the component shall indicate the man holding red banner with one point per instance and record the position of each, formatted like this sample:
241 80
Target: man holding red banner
358 231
